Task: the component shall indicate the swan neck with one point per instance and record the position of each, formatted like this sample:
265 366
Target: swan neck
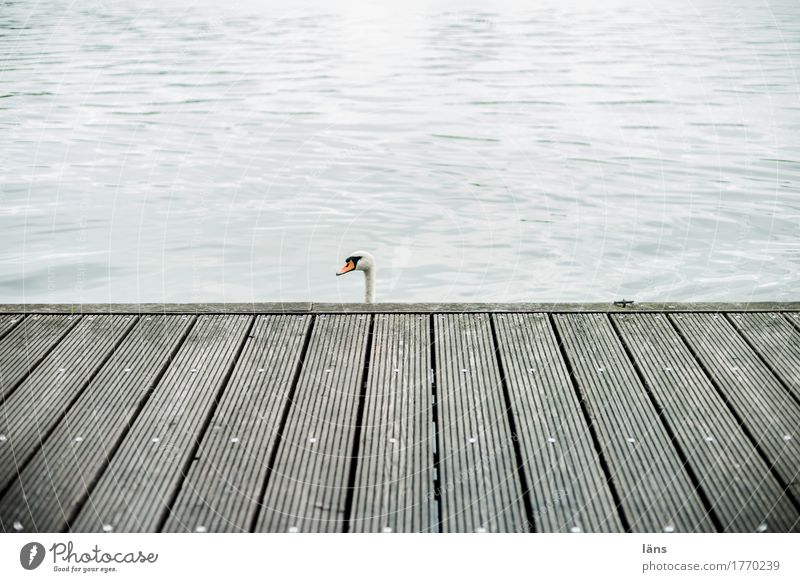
369 286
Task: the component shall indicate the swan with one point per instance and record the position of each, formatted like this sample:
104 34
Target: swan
362 261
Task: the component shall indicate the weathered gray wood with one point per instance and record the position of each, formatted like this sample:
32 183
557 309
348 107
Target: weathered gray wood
32 411
220 493
157 308
8 321
764 407
295 308
26 344
793 318
655 490
733 374
777 341
307 487
480 485
395 473
608 307
51 488
743 494
135 491
568 488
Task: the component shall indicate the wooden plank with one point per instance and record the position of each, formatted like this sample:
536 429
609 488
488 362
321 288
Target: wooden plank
8 321
54 484
609 307
763 406
157 308
308 485
135 491
341 308
568 489
479 482
655 490
743 494
794 319
33 410
395 475
220 493
777 341
26 344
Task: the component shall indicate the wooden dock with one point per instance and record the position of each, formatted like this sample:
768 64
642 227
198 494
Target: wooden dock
400 418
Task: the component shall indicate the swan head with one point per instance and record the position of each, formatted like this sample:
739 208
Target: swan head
357 261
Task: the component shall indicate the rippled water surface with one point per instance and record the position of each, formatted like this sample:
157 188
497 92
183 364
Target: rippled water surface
207 151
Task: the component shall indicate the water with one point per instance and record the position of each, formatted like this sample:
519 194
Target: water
207 151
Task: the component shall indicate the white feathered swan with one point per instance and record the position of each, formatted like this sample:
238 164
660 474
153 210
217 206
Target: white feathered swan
362 261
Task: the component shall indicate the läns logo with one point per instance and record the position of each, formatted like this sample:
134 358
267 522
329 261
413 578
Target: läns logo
31 555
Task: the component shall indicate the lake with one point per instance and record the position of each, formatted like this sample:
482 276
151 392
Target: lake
556 151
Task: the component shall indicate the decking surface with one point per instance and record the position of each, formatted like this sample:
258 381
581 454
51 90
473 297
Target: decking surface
309 418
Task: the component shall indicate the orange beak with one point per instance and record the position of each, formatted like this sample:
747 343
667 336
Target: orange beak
348 266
